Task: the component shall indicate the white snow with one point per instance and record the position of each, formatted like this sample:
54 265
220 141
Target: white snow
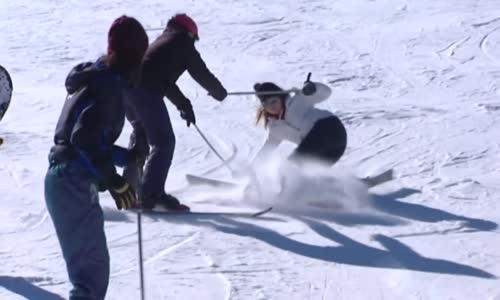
416 82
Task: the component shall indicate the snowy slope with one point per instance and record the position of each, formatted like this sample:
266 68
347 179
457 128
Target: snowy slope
417 83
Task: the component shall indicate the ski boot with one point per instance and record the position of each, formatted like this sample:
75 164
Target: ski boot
164 201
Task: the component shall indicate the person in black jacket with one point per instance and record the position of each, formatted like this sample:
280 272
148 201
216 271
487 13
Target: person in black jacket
172 53
83 157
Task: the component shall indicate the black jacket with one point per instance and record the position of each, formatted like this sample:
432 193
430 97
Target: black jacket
92 119
167 58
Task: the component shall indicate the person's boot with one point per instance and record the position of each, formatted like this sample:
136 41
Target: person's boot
170 202
163 200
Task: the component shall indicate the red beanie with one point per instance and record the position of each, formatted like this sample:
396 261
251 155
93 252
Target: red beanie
127 41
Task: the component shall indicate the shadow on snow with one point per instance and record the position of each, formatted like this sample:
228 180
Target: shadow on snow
395 254
23 286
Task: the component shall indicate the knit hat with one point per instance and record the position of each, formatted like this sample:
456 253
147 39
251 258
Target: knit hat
268 87
127 41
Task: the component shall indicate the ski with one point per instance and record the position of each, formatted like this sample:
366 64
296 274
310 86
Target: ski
371 181
381 178
253 214
200 180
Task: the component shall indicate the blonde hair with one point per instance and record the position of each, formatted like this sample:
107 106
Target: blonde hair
263 116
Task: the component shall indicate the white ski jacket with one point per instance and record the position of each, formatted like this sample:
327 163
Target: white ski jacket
299 118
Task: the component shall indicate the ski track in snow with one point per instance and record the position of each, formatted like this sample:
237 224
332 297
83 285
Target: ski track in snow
416 83
158 256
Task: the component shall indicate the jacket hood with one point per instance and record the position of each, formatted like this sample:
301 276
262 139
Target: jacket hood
84 73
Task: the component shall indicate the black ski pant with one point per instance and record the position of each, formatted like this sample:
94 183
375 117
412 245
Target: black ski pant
149 116
326 142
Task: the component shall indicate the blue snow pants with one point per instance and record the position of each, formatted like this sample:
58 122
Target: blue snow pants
71 196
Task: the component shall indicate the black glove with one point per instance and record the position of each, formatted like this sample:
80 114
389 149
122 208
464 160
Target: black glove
121 192
187 113
309 87
219 94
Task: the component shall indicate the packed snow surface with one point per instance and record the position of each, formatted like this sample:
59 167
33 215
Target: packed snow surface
417 84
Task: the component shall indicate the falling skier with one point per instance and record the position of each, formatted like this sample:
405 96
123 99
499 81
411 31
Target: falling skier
319 135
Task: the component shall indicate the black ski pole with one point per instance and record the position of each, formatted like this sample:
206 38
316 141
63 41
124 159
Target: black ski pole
212 148
139 234
141 268
253 175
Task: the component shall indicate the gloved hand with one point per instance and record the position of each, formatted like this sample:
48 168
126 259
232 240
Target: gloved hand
219 94
187 113
121 192
309 87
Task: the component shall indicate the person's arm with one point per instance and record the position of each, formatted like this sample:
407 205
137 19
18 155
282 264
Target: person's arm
88 138
138 143
175 95
322 93
121 156
201 74
271 143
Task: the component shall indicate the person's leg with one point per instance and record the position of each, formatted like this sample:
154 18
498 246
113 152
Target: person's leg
73 204
138 141
325 143
133 171
155 120
337 143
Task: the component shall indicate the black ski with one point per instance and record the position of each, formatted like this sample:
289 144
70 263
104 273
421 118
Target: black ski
254 214
381 178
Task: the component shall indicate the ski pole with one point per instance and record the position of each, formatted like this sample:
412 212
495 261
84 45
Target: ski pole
212 148
253 175
261 93
139 234
141 267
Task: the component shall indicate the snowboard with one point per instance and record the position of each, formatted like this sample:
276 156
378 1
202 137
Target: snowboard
370 181
5 91
247 214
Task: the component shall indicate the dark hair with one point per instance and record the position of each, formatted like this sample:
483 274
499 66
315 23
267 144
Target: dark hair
127 43
130 71
269 87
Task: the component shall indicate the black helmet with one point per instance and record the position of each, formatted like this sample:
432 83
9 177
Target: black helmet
269 87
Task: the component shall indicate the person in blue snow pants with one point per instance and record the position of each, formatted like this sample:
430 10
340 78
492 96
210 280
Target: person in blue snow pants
72 201
83 159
